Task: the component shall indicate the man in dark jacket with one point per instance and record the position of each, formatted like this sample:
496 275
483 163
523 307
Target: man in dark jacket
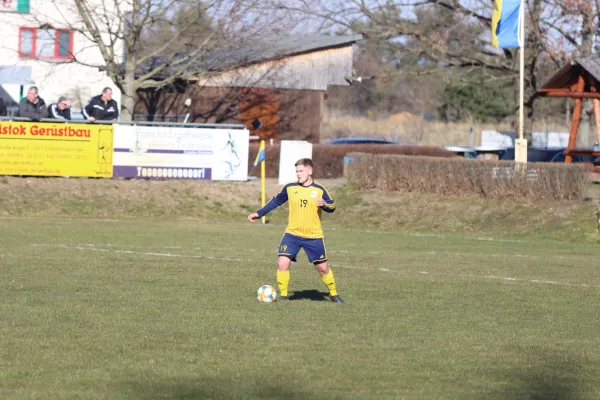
102 107
33 106
3 109
60 110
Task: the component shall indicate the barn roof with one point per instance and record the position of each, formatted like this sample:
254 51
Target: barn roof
568 75
278 47
268 49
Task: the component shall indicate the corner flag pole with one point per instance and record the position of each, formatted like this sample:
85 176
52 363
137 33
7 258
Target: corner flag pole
521 143
263 181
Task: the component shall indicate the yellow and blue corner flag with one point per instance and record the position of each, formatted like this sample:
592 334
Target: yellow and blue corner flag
261 154
505 23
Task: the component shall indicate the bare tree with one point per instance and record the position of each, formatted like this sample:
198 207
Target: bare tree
438 35
148 44
78 96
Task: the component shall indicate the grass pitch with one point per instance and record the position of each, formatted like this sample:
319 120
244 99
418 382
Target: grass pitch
130 309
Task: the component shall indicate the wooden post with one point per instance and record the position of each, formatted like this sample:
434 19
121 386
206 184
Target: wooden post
576 119
596 114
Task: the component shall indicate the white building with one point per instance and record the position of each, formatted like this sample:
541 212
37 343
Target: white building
39 40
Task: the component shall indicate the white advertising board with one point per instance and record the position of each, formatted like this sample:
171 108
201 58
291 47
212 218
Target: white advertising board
550 139
497 139
180 153
292 151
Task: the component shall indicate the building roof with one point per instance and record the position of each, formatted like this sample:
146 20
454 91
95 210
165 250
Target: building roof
279 47
568 75
268 49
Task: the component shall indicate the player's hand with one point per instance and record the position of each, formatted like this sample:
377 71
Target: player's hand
253 217
91 119
320 202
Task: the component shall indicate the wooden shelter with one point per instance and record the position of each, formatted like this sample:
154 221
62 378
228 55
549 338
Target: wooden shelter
579 79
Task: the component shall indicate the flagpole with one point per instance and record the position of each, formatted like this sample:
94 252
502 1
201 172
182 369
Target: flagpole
263 180
521 143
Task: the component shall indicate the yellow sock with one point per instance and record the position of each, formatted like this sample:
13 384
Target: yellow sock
283 281
329 281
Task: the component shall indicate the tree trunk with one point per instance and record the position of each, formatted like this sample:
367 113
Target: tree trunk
587 32
128 95
587 45
129 84
532 50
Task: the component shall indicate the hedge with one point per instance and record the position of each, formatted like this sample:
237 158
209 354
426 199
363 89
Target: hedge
329 158
454 177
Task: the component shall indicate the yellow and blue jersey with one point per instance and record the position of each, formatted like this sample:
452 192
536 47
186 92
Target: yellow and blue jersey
305 215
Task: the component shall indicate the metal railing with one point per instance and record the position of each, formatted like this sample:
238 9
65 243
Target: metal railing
134 123
162 117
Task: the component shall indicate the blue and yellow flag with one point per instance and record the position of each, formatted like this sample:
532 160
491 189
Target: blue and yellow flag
505 23
261 154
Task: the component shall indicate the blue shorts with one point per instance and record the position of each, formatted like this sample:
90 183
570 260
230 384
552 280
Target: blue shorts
314 248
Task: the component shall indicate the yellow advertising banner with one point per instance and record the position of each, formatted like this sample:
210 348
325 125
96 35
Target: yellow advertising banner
56 149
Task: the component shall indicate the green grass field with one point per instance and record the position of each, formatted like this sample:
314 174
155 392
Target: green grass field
142 309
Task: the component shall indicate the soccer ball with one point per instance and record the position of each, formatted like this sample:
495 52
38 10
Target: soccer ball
266 294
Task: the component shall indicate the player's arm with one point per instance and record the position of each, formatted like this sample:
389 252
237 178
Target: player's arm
275 202
328 203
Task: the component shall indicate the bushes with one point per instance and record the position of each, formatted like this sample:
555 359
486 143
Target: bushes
329 159
453 177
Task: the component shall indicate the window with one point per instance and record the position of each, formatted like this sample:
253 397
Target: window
45 44
64 43
26 42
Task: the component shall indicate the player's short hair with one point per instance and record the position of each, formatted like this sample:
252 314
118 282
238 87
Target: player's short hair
33 89
106 89
306 162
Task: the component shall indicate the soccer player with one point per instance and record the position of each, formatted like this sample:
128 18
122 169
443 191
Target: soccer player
307 198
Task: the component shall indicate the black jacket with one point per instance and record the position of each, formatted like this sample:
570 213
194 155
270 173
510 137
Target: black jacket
3 110
33 111
57 113
100 110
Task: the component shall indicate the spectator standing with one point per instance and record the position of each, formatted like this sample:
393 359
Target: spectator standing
3 109
102 107
33 106
60 110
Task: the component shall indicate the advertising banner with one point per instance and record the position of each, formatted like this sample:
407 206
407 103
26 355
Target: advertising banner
180 153
18 6
47 149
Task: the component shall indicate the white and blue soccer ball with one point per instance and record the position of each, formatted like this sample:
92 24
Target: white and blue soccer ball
266 294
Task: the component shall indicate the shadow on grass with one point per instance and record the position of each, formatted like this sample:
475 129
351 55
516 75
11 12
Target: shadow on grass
222 390
544 378
313 295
